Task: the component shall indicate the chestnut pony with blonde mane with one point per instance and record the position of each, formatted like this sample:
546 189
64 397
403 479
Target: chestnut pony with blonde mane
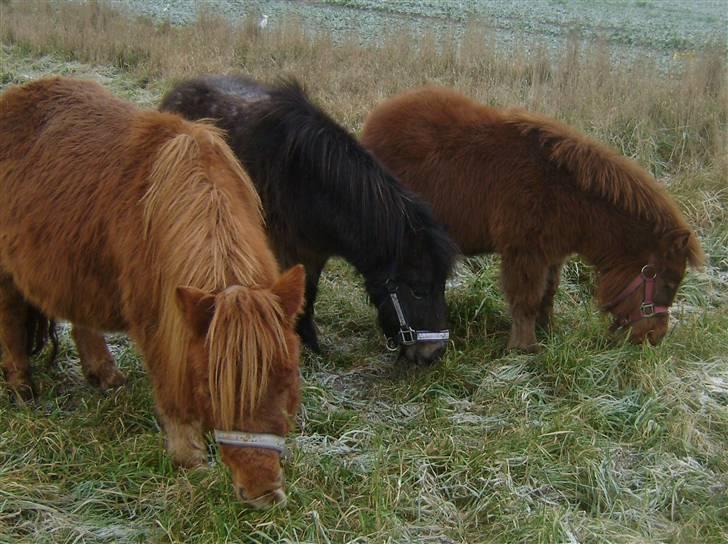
118 219
535 191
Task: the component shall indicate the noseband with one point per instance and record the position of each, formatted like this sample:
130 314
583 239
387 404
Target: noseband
647 308
264 441
406 335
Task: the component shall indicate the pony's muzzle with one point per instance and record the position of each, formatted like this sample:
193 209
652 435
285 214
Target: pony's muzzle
424 353
275 497
651 329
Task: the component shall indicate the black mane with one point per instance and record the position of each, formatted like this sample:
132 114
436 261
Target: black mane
306 166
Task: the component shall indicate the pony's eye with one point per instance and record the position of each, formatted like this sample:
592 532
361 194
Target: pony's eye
418 294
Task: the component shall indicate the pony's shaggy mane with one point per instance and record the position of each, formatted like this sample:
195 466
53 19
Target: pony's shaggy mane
241 332
184 208
390 212
599 170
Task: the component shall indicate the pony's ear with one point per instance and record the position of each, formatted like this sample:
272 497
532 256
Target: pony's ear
683 242
678 241
197 308
290 289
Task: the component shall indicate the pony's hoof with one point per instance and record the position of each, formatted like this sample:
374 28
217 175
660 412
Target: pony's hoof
114 379
22 393
530 348
311 342
109 378
314 347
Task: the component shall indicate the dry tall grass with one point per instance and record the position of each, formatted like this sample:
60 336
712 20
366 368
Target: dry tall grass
671 119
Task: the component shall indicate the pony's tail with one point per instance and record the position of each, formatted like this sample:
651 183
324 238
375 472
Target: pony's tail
39 329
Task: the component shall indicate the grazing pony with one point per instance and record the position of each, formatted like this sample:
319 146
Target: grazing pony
535 191
323 194
118 219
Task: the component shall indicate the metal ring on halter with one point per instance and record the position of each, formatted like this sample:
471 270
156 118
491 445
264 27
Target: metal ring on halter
646 267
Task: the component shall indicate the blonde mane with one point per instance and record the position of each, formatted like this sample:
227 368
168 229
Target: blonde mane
241 331
601 171
201 231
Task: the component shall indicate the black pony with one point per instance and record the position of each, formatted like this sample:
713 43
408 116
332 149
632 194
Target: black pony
325 195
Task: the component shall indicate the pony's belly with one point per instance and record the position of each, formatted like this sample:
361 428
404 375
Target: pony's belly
60 293
472 239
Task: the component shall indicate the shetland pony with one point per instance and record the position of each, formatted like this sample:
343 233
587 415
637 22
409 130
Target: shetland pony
118 219
324 195
535 191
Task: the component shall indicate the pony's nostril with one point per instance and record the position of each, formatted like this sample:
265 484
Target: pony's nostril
275 497
279 497
437 353
430 353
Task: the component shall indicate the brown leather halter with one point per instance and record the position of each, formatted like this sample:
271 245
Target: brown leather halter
647 308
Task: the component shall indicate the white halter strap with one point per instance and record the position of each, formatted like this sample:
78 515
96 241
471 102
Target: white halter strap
408 336
263 441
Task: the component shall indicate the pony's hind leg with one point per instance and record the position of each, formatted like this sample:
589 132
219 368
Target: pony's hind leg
97 363
546 309
14 314
524 283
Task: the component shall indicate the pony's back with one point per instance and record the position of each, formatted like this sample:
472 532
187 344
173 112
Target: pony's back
77 166
443 144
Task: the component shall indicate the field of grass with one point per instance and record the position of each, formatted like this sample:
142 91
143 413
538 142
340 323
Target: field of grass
591 440
632 28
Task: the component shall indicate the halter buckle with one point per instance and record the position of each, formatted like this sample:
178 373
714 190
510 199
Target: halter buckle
647 309
407 337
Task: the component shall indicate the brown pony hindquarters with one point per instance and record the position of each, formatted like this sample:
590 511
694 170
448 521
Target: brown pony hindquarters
534 191
58 172
117 219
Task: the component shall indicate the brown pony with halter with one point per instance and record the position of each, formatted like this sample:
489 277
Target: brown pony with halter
118 219
535 191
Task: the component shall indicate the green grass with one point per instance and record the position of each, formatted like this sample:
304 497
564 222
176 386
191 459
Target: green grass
592 440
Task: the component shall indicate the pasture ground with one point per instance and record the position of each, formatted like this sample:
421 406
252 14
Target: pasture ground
591 440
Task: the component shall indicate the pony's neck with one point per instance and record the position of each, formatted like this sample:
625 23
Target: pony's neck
382 262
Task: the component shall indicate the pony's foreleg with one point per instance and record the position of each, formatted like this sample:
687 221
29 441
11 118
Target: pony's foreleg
185 441
524 283
306 327
546 309
14 312
96 361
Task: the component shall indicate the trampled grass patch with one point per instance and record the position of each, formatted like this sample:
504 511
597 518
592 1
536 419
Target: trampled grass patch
590 440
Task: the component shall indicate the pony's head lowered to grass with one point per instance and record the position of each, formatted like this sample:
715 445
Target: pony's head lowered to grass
228 318
245 350
639 293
